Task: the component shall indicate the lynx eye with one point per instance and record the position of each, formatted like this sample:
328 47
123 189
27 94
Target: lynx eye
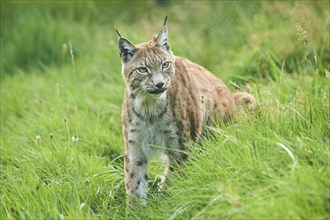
166 65
142 70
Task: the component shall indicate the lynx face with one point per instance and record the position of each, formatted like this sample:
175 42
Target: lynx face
148 68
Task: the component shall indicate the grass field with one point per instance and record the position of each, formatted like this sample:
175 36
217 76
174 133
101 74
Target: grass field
61 93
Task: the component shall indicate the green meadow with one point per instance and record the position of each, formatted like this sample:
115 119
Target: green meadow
61 151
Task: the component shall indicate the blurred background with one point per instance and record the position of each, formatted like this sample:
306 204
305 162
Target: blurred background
231 38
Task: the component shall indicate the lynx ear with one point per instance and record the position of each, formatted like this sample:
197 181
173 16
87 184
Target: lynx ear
162 40
126 48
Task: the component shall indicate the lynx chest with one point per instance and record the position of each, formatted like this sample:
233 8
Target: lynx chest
154 134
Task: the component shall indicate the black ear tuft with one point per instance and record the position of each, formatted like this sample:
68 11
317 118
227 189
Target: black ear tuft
165 21
118 33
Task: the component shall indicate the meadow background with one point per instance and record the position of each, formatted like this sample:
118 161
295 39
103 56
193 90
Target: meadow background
61 93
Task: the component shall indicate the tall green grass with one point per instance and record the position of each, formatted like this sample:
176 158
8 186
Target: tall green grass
61 93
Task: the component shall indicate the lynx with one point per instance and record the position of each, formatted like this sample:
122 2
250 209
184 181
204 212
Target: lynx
168 100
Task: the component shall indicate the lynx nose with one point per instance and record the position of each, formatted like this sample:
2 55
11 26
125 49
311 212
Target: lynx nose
160 85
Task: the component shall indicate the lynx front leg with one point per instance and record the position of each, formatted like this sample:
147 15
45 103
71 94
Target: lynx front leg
136 169
166 164
170 162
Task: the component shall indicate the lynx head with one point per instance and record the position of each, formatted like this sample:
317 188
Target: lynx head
147 67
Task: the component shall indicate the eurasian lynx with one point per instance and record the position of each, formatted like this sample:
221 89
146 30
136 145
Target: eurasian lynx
167 102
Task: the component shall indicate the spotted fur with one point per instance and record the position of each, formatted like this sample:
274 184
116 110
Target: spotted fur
168 100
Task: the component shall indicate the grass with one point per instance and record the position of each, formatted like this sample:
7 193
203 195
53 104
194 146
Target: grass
61 93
